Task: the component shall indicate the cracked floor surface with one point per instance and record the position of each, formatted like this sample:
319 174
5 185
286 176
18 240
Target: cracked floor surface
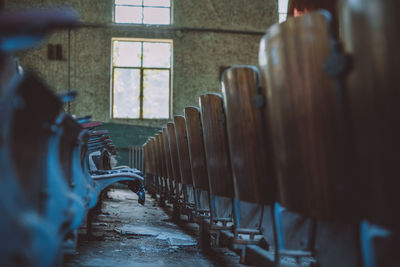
128 234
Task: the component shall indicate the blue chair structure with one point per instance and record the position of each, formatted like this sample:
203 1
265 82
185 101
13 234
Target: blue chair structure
49 179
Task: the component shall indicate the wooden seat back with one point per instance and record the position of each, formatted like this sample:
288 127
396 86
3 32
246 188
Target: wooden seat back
196 148
174 152
157 164
168 161
254 180
152 156
162 154
304 118
183 150
157 155
167 153
371 37
146 158
216 145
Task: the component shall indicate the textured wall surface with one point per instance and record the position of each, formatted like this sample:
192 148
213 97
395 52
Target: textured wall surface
226 14
198 55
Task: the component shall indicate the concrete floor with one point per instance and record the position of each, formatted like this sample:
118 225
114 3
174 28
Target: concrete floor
128 234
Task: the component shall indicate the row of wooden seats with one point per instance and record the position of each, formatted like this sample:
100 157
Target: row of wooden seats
315 133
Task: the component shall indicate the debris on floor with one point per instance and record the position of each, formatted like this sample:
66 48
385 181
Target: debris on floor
128 234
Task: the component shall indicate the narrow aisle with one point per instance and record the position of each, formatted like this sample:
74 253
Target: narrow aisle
128 234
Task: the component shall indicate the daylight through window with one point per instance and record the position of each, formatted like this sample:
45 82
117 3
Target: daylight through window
141 78
143 11
282 10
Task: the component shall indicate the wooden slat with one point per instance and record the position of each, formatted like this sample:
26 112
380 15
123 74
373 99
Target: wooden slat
150 156
158 155
257 256
153 153
216 145
183 150
371 36
196 148
304 118
174 152
162 154
155 157
146 158
167 154
248 137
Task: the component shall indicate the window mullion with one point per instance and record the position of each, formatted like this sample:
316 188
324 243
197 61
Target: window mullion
113 96
141 95
142 6
141 82
142 12
170 95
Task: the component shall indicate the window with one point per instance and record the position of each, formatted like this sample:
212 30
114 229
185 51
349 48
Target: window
143 11
282 10
141 78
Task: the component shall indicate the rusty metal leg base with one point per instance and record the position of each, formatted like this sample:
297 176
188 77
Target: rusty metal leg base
216 227
222 223
247 236
161 201
204 237
226 239
189 212
200 215
176 215
188 209
238 241
256 256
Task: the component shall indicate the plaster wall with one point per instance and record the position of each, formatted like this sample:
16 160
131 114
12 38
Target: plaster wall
197 54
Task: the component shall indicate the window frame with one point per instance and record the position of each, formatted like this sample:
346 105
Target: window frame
141 68
142 6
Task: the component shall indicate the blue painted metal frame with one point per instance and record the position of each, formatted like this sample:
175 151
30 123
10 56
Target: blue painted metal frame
33 234
368 232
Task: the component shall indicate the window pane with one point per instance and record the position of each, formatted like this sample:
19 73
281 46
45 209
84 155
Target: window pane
128 14
283 6
166 3
156 55
128 2
126 93
126 54
282 18
156 94
154 15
